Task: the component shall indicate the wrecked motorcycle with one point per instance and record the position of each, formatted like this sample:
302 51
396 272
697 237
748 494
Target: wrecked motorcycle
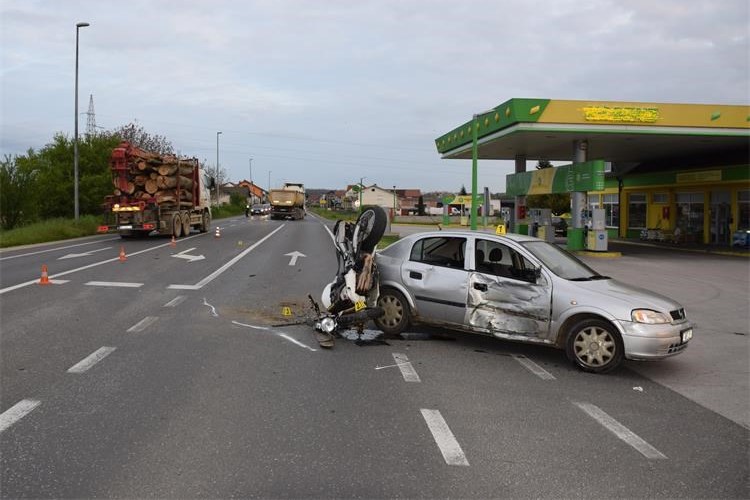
350 300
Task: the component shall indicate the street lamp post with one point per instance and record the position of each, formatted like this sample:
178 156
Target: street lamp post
75 133
217 167
361 186
251 179
269 184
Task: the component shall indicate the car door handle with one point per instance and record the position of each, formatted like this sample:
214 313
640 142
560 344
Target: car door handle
482 287
415 275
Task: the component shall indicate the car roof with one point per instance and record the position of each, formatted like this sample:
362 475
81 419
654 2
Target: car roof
467 232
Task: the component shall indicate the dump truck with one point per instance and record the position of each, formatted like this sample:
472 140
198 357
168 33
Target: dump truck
156 194
288 202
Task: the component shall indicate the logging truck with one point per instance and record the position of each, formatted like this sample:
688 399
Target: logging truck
288 202
156 194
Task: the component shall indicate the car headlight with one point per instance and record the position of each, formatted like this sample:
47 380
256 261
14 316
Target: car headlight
648 316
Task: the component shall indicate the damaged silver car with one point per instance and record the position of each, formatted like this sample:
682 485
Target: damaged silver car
524 289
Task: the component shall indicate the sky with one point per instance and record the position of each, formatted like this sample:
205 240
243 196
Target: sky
331 92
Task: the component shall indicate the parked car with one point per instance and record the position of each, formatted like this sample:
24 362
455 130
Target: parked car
521 288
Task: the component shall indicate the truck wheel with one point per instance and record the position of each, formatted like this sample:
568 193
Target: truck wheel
176 226
185 223
594 346
205 222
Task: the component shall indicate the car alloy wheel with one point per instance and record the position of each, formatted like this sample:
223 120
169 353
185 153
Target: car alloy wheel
595 346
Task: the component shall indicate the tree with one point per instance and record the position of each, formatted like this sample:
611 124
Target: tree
541 164
16 185
137 135
463 192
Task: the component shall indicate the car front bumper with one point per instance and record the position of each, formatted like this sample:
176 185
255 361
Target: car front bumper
649 342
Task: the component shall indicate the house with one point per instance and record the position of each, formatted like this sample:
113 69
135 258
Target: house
256 193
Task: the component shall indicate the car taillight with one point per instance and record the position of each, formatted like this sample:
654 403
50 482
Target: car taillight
102 229
149 226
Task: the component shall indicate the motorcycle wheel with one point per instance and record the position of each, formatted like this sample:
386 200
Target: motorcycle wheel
369 228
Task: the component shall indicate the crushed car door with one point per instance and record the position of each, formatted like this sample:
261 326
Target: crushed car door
508 296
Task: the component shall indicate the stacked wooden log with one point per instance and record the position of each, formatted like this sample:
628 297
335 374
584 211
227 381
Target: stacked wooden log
165 178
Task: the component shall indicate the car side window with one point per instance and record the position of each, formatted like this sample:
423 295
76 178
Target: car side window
440 251
500 260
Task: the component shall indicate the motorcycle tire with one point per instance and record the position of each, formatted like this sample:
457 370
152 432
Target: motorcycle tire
363 316
369 228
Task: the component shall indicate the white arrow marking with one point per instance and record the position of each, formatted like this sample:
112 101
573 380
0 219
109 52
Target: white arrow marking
86 254
294 256
189 258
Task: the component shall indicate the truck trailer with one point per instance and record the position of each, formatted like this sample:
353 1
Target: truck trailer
156 194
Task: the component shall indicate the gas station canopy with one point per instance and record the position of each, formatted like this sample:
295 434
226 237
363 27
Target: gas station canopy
628 132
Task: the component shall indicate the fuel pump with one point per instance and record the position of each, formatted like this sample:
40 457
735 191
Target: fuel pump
596 236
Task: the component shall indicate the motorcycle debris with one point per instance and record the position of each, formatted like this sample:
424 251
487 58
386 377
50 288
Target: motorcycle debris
325 340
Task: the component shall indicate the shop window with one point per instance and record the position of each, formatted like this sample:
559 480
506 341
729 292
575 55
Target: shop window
690 213
637 211
611 205
661 198
743 209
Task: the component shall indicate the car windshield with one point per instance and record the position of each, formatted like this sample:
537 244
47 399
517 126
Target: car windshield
257 207
562 263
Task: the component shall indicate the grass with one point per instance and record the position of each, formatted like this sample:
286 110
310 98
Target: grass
50 230
348 215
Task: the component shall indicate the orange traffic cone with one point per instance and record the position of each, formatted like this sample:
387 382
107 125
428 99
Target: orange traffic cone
44 280
123 257
218 232
173 243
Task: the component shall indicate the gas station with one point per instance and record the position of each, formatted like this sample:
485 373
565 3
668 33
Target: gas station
636 168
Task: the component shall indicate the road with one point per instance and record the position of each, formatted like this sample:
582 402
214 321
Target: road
166 375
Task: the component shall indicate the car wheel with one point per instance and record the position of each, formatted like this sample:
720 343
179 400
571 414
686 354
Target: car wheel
595 346
395 318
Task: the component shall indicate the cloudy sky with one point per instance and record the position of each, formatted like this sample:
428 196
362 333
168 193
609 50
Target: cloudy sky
329 91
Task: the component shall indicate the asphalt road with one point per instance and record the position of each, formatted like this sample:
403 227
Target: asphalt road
163 376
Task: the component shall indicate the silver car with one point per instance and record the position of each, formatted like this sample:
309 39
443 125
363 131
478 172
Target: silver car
524 289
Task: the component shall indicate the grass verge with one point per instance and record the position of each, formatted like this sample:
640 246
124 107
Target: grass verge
50 230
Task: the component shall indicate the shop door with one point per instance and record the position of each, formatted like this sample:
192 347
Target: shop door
720 215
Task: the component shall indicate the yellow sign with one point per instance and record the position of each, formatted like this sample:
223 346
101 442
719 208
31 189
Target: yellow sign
500 229
620 114
358 306
286 311
703 176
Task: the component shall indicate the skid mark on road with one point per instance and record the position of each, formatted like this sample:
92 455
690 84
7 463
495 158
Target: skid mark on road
278 334
533 367
143 324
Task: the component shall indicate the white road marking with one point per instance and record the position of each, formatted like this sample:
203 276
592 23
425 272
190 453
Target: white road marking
446 441
189 258
85 254
533 367
621 431
279 334
120 284
294 256
176 301
56 249
59 282
89 266
407 370
17 412
143 324
208 279
91 360
213 309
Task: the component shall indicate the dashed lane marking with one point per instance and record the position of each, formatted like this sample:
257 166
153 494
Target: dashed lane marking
91 360
17 412
143 324
120 284
446 441
176 301
407 370
621 431
533 367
